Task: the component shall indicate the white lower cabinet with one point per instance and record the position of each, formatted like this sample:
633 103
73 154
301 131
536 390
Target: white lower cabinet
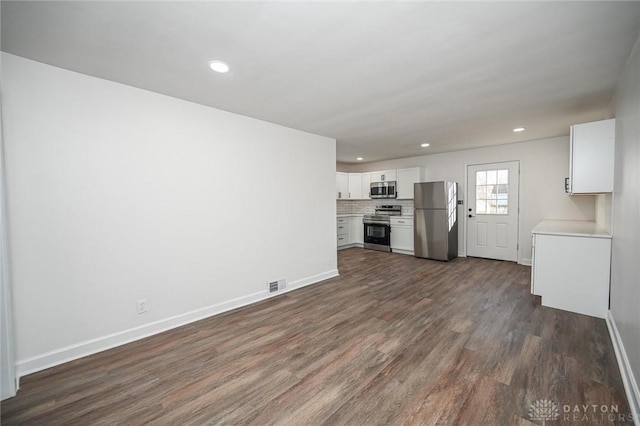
350 232
343 231
402 235
571 271
357 231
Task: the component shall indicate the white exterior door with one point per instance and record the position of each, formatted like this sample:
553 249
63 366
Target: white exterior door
492 210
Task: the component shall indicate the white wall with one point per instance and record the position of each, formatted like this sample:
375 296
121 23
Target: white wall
116 194
7 361
625 268
543 166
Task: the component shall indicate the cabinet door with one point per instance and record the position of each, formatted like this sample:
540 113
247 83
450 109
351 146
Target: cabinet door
383 176
355 186
406 179
572 273
389 175
533 265
592 157
359 229
342 229
352 230
402 238
342 186
366 186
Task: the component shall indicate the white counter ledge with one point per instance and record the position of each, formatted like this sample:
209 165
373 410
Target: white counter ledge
571 228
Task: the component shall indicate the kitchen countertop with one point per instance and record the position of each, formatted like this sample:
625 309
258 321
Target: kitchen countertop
571 228
405 216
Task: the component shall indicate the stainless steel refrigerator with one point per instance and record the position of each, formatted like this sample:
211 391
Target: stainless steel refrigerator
435 220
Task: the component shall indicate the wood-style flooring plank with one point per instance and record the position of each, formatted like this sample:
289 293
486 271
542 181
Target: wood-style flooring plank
394 340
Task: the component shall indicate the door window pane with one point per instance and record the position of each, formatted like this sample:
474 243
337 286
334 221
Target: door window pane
481 206
492 177
503 176
492 192
481 192
481 178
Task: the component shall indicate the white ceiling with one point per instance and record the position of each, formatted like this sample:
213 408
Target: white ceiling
380 77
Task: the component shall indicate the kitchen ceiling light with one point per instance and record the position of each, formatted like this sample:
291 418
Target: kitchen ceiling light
518 129
359 158
424 145
219 66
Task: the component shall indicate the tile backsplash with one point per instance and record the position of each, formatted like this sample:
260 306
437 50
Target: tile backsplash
368 206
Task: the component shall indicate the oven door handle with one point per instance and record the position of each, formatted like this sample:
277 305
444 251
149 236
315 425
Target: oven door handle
377 223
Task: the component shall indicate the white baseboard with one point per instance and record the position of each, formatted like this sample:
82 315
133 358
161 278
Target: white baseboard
462 254
350 246
628 379
526 262
309 280
89 347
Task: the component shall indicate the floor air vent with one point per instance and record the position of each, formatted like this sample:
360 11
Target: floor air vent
275 286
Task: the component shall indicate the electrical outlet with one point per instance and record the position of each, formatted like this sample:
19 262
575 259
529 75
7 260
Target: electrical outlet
141 306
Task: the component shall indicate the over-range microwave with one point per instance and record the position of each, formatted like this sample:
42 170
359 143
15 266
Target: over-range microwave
383 189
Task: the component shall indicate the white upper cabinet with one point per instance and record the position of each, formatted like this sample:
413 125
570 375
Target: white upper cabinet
366 186
406 179
592 157
383 176
352 186
355 186
342 186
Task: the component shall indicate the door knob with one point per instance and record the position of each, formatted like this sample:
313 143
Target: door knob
470 215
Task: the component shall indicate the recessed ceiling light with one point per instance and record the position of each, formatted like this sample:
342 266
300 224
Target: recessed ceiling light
219 66
519 129
424 145
359 158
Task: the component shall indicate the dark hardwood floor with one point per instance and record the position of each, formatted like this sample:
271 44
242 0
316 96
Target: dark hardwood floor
394 340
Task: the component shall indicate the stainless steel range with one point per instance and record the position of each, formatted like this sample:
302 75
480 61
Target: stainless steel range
377 227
